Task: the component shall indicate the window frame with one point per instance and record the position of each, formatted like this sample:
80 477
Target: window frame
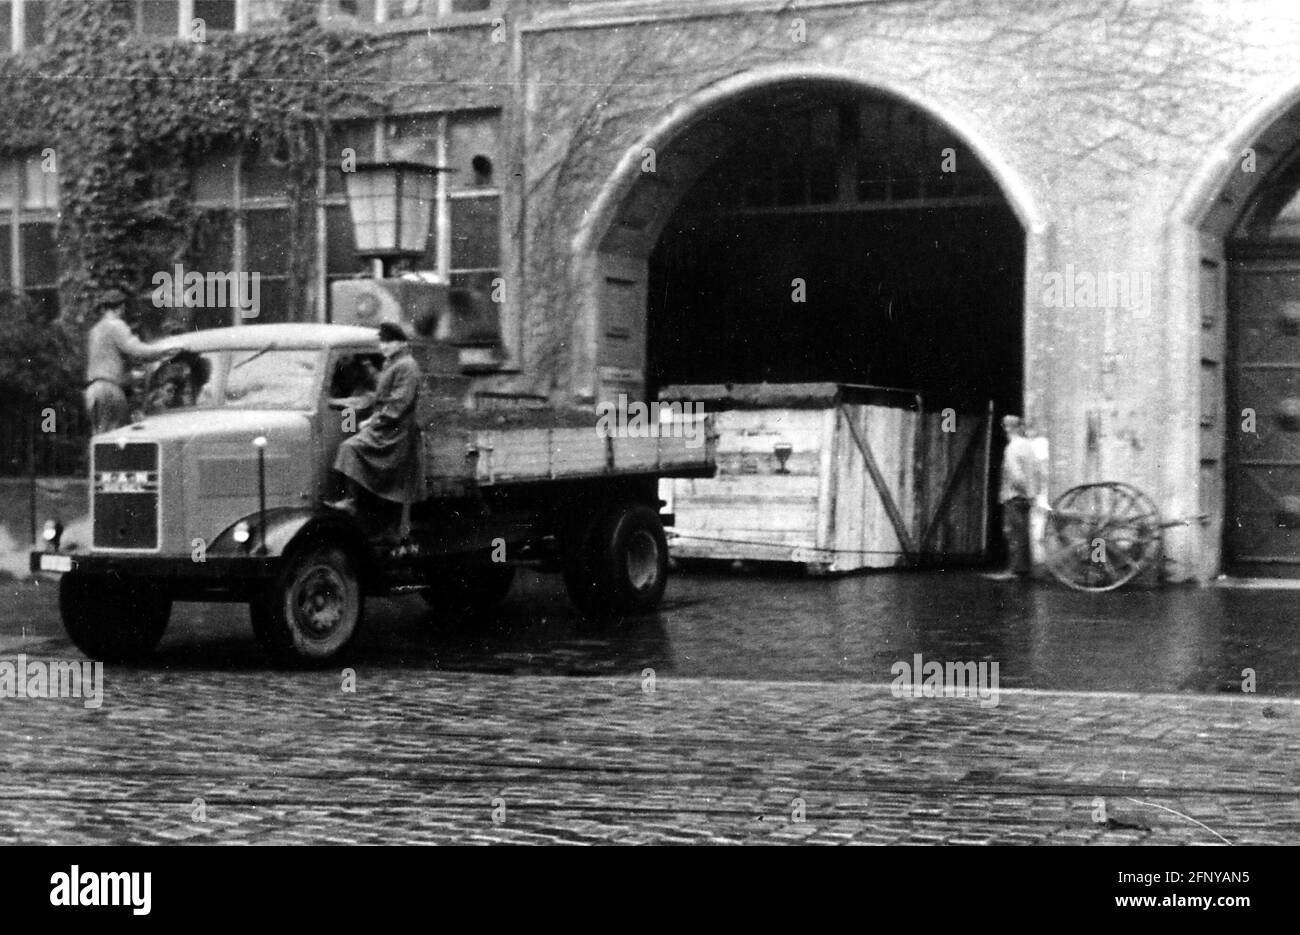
431 13
445 193
19 215
240 203
18 24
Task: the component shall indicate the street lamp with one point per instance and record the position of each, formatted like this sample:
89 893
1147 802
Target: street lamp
391 205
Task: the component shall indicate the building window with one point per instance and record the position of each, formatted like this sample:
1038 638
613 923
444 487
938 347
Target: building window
245 210
29 211
175 18
397 11
22 24
244 228
464 246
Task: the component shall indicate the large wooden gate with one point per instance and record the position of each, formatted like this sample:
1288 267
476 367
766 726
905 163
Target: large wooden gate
1262 525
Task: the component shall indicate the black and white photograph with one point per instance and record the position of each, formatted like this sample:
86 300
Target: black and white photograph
667 422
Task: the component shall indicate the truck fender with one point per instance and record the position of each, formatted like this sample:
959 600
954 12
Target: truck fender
288 527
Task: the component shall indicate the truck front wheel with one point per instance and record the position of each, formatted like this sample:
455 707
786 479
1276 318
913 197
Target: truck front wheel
111 619
313 608
619 562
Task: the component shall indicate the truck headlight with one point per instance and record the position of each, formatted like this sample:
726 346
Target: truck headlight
53 533
241 533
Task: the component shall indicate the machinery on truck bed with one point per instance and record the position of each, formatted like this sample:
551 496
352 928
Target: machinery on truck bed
216 495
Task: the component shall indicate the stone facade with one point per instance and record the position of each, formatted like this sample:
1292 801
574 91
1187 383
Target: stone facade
1117 131
1113 128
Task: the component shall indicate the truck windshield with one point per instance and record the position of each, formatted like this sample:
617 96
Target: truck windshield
183 382
272 378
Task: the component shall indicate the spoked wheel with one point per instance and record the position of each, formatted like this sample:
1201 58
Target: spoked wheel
1100 536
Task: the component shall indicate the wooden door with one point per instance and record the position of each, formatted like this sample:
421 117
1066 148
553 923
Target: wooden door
621 337
1262 521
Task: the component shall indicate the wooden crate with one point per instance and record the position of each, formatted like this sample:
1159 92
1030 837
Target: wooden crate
823 507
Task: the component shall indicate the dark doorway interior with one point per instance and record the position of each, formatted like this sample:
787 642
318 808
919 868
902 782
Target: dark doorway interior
924 299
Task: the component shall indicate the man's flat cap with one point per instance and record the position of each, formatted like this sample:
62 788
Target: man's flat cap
110 298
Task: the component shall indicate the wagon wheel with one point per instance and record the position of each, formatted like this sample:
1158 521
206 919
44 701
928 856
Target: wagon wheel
1100 536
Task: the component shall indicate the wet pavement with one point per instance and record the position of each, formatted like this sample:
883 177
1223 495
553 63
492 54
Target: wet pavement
750 709
794 628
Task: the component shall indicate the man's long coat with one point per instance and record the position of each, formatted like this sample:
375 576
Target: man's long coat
386 454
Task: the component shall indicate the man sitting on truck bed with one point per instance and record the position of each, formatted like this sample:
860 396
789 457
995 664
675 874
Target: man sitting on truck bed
384 456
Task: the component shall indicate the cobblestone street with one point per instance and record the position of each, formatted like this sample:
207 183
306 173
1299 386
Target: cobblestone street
532 730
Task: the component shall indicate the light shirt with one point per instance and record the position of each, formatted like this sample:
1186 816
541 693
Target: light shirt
1021 472
109 347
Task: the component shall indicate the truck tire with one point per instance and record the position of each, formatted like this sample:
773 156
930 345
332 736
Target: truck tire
313 608
111 619
468 591
618 564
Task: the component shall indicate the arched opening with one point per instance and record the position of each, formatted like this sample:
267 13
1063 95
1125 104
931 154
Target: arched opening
812 230
844 237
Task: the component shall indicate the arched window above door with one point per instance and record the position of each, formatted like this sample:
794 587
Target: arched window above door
1273 215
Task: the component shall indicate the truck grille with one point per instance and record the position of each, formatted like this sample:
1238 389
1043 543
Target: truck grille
125 500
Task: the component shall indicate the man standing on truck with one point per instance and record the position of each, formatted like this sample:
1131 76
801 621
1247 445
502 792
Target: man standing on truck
110 347
384 456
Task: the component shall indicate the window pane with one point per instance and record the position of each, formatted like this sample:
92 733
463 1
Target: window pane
475 233
473 149
403 9
214 180
214 243
6 26
8 183
34 25
273 380
216 14
6 274
42 188
46 302
360 138
413 139
272 299
264 12
364 10
39 254
159 17
340 244
268 242
264 179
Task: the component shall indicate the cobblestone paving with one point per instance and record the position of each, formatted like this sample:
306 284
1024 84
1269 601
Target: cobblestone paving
414 755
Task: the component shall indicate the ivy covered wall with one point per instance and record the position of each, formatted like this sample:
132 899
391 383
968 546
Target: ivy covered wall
123 116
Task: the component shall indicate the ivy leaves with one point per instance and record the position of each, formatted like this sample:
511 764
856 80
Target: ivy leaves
127 114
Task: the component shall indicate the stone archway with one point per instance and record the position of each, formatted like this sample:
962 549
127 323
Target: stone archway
688 151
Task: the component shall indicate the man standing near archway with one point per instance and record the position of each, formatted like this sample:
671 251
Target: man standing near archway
1022 482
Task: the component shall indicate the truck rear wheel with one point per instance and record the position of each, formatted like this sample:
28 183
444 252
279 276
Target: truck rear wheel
313 608
468 590
618 563
111 619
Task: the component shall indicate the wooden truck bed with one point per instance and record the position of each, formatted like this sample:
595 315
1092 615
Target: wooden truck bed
464 449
